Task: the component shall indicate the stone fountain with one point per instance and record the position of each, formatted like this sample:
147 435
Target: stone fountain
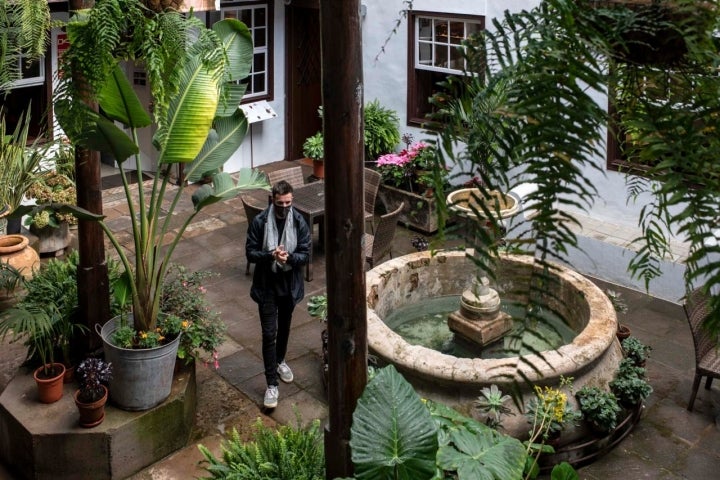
591 358
479 319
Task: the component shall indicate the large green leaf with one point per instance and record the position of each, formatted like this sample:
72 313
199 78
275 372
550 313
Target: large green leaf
237 40
223 187
233 94
105 136
119 101
482 456
393 435
221 143
190 116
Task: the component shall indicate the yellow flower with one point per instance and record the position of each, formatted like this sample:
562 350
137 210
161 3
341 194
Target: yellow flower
143 335
185 324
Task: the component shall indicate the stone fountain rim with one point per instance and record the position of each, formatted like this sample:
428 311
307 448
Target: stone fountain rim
588 346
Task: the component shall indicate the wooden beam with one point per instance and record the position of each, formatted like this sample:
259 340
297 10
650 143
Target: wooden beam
342 91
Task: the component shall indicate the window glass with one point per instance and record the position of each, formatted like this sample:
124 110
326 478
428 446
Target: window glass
436 40
256 16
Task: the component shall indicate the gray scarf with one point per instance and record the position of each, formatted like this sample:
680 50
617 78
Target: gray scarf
289 237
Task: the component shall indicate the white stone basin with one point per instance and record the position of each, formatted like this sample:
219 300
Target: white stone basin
461 201
591 358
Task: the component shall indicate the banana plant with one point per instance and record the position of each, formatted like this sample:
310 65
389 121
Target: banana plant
194 74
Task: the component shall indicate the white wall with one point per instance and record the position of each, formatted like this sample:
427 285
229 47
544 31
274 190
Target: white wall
386 80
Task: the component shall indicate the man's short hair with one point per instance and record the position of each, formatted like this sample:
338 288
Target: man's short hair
281 188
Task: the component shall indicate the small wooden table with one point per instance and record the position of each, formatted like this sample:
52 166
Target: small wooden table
309 200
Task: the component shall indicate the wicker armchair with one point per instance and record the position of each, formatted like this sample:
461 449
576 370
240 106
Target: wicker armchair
372 184
251 212
380 244
707 360
292 175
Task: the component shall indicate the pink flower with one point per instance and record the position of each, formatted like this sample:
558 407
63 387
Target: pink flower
416 148
393 159
202 289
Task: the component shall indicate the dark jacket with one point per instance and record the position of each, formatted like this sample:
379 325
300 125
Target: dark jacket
261 285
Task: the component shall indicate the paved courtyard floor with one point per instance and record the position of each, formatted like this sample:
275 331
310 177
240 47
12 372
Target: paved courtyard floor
668 443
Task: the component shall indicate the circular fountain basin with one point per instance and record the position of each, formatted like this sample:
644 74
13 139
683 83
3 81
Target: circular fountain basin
591 358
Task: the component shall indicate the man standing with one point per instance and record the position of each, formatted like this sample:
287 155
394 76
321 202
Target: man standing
278 243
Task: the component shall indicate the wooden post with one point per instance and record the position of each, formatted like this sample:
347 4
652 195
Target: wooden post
342 90
92 274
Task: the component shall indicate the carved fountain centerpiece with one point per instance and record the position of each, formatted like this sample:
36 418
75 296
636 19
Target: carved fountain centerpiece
479 319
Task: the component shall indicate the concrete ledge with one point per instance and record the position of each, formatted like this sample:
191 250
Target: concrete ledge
39 441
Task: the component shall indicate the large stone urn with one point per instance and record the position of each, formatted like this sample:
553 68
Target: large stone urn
15 250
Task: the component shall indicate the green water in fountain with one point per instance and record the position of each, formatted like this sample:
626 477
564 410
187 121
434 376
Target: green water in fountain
425 323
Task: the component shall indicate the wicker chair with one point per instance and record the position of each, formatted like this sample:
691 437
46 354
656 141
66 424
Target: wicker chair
251 212
380 244
707 360
372 184
292 175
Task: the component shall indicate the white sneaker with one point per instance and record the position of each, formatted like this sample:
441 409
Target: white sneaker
285 373
271 397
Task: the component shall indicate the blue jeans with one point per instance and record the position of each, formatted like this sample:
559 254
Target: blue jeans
275 317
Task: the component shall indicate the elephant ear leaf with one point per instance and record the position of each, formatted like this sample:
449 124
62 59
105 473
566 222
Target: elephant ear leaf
482 455
393 435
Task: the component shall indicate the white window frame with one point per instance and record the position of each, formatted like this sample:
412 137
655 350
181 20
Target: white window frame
264 50
30 81
434 42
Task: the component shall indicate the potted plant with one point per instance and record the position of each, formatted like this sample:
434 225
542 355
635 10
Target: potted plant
20 162
381 132
599 408
313 149
93 374
636 351
409 177
51 297
184 296
32 325
52 226
620 306
629 385
195 93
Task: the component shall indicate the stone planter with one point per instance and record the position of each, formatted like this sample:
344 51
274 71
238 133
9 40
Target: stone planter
419 212
52 240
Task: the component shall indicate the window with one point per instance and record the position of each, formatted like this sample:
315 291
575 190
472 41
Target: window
29 93
257 15
32 73
435 41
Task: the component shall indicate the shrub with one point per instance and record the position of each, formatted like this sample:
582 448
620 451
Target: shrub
629 385
635 350
290 452
382 130
599 407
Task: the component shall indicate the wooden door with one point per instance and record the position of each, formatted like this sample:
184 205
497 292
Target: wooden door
303 74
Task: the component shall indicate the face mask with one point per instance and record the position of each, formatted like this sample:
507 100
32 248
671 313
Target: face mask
281 212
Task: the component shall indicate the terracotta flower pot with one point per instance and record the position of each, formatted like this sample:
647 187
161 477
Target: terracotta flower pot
623 332
91 414
318 168
50 389
16 251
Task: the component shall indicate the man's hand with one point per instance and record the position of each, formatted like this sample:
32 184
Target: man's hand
280 254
